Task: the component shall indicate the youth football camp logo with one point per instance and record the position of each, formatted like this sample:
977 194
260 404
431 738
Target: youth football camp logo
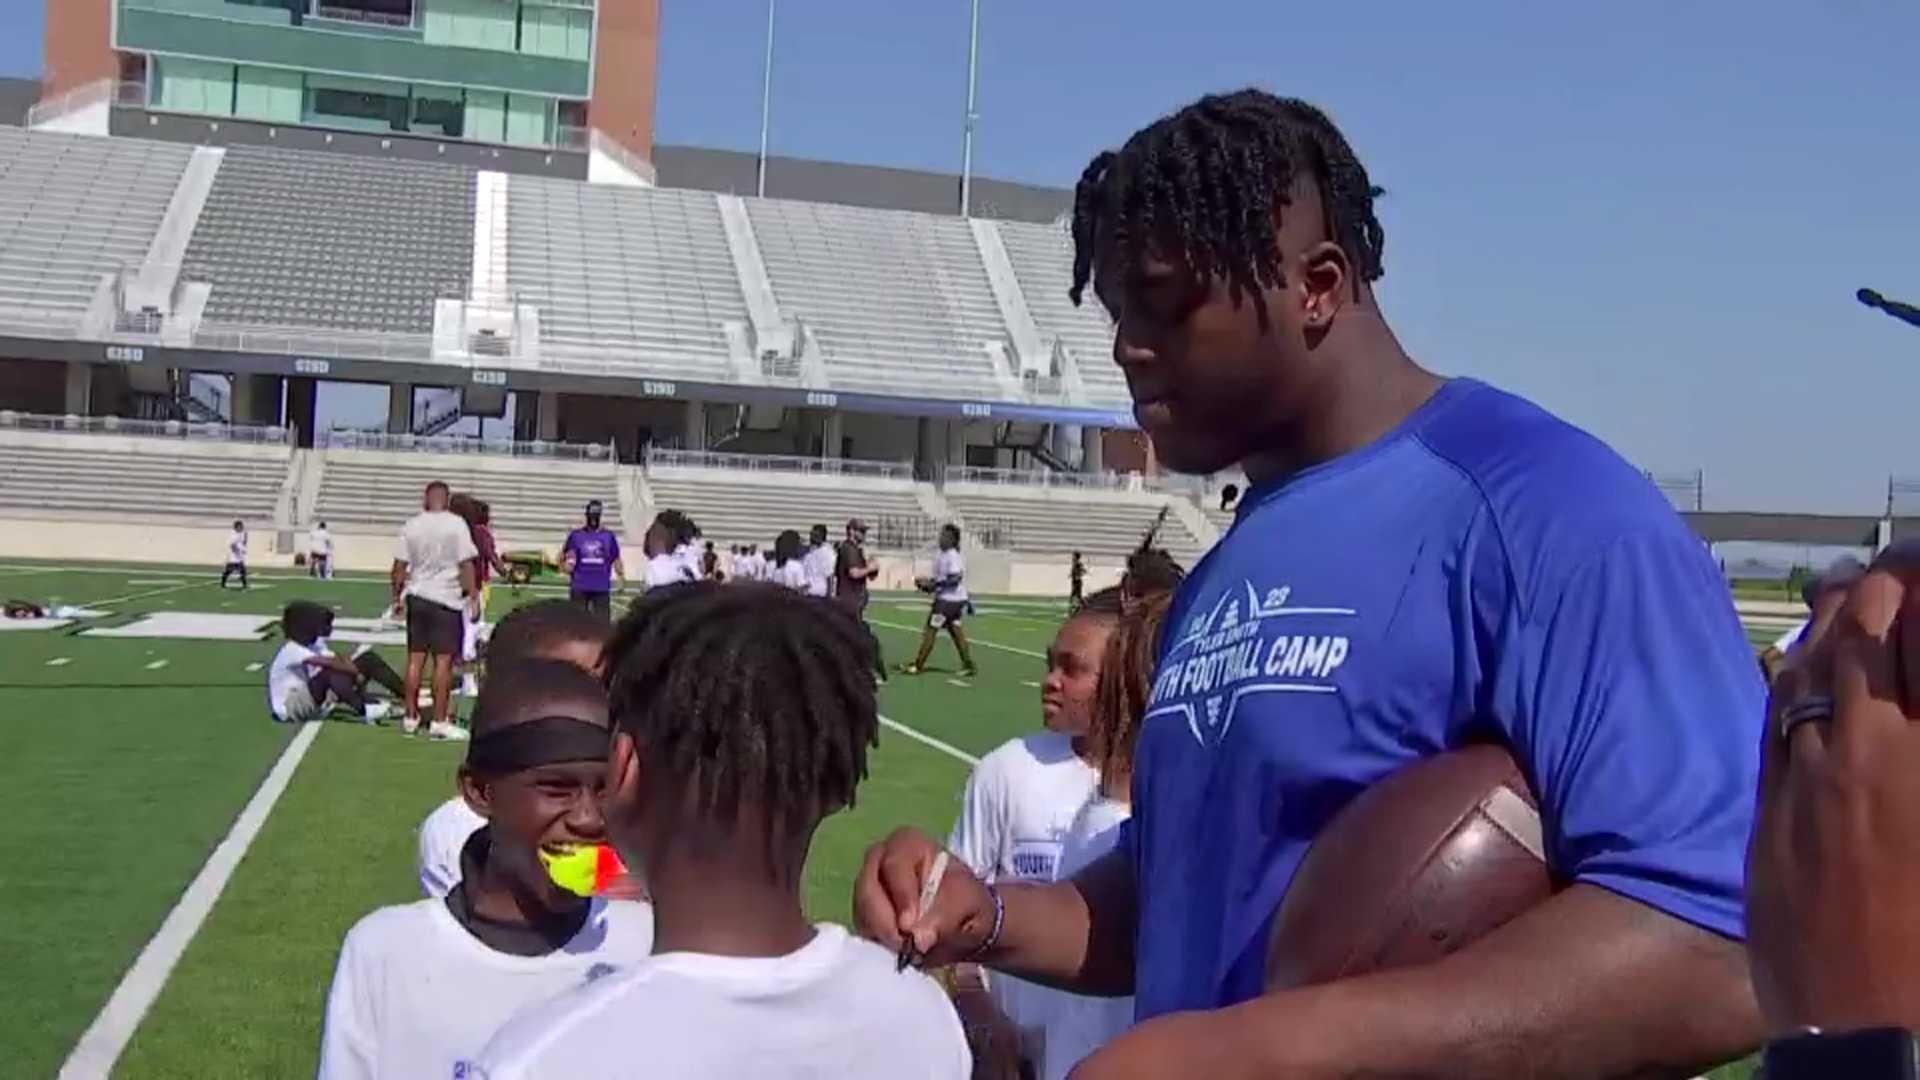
1248 643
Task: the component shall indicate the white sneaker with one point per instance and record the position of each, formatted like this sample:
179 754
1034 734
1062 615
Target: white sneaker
377 711
410 725
469 687
447 733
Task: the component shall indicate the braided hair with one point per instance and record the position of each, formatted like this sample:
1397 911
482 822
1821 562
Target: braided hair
759 699
1201 189
1151 568
1126 684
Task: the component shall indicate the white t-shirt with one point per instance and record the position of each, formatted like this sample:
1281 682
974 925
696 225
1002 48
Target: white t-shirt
792 574
836 1008
1792 637
319 542
442 837
667 569
819 565
757 566
433 544
688 557
237 546
1014 816
287 675
949 564
415 996
1076 1026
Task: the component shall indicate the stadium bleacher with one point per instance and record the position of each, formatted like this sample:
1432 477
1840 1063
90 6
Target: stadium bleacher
73 208
533 502
628 282
898 301
1099 524
102 473
734 506
1042 258
302 239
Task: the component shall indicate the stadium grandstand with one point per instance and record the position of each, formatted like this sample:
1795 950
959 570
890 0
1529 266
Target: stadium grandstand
195 260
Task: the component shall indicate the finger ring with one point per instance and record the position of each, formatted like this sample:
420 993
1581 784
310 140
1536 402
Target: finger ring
1809 709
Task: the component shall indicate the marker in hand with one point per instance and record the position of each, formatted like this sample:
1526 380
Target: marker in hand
928 890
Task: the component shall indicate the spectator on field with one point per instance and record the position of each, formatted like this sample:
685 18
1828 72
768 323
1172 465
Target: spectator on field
433 582
591 559
818 562
659 545
320 552
789 567
236 555
306 680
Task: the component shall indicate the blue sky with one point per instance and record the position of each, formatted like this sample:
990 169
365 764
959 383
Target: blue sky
1648 216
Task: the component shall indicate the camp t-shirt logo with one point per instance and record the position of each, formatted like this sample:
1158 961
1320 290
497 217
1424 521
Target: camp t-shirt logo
593 551
1248 642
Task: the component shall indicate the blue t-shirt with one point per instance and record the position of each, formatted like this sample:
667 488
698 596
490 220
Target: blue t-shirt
1483 572
594 552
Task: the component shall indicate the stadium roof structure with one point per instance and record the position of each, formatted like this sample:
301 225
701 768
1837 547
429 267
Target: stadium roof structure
270 260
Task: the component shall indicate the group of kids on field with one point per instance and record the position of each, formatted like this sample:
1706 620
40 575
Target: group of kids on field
538 952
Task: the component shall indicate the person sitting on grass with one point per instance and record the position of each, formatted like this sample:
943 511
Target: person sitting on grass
420 987
549 630
305 680
716 786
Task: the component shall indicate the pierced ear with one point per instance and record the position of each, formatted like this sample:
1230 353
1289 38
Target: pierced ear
1325 283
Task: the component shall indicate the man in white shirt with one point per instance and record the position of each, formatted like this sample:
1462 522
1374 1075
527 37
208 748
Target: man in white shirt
819 562
1015 814
420 987
756 563
236 555
433 580
951 604
740 983
320 551
661 545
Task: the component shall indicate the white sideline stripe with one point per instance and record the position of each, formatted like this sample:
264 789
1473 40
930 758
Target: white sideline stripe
948 749
970 640
103 1042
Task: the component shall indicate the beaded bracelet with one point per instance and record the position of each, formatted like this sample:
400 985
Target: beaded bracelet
993 935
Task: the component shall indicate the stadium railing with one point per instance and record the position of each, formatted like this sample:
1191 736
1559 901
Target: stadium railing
1042 478
163 429
368 345
349 439
658 457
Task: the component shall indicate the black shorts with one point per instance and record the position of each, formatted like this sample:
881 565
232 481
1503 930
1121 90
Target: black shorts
434 628
599 603
946 613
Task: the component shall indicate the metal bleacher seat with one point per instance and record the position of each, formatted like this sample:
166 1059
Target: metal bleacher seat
742 507
627 281
899 301
74 207
533 501
1042 258
1039 521
316 240
147 478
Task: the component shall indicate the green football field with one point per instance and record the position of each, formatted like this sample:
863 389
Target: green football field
127 758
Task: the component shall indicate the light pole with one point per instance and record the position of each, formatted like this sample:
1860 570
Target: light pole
973 116
766 101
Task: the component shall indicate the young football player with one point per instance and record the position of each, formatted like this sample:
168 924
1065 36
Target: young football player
305 680
716 788
948 586
420 987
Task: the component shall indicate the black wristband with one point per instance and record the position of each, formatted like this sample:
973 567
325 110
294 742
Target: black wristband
1879 1053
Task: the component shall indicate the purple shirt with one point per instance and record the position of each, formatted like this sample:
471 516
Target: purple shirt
594 552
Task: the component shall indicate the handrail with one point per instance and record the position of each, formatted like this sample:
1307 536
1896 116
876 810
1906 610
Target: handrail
163 429
352 439
1043 478
658 457
634 163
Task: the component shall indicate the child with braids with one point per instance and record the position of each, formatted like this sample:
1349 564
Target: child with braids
714 790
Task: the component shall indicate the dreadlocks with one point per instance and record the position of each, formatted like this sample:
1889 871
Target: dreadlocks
760 699
1202 189
1150 568
1126 683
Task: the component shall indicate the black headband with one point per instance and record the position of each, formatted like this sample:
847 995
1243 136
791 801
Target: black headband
549 740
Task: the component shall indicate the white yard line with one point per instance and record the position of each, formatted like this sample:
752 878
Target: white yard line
970 639
156 665
961 683
60 661
129 598
1029 684
155 581
101 1045
948 749
255 666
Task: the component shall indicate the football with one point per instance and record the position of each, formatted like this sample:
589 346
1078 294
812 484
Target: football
1416 867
